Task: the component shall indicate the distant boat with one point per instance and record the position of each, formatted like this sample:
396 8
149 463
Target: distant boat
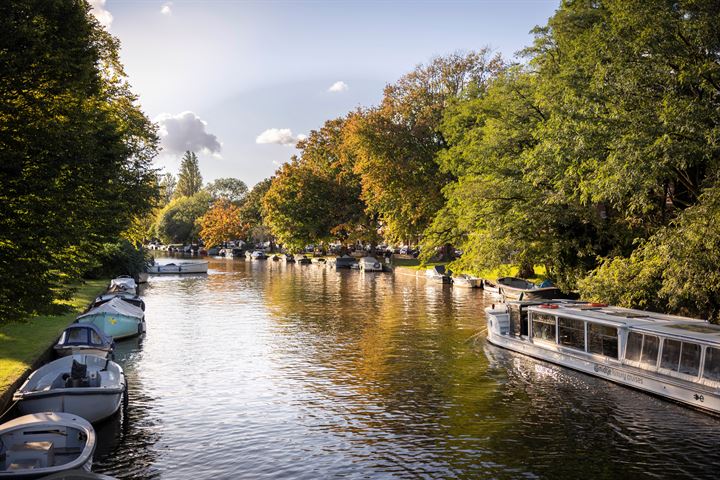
178 268
84 338
437 274
258 255
490 287
303 260
276 258
85 385
370 264
45 443
466 281
116 318
213 251
142 277
513 288
289 258
345 261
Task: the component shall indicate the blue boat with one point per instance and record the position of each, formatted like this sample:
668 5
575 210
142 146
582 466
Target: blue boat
116 318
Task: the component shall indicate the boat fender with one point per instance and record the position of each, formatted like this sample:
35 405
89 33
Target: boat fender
548 305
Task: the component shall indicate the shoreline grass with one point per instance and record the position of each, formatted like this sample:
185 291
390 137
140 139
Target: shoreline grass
22 343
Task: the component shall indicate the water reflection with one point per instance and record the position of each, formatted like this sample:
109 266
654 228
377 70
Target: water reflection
274 370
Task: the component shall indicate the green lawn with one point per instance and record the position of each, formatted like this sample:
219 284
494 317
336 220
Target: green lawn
22 343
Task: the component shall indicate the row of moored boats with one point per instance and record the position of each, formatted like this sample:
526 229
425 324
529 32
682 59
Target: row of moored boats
62 399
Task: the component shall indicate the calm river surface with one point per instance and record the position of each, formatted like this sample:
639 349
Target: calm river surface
266 370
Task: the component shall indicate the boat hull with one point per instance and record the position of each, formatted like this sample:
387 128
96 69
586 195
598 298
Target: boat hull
683 392
93 407
116 326
175 269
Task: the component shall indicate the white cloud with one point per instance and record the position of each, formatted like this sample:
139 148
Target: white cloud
101 14
338 87
166 8
279 136
186 131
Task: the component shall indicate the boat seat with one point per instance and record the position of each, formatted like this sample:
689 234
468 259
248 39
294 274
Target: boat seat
30 455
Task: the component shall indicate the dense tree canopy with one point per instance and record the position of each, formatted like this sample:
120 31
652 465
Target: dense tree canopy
230 189
221 223
179 220
76 149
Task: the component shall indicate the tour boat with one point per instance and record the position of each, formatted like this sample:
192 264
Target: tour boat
178 268
116 318
437 274
667 355
126 297
466 281
370 264
513 288
85 338
85 385
33 446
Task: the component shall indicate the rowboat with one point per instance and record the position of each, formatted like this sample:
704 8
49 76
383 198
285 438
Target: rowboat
464 280
437 274
178 268
85 385
40 444
674 357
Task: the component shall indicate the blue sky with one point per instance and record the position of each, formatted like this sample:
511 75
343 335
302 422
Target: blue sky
216 74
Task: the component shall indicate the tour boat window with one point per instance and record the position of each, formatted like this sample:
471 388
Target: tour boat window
571 333
602 340
690 359
543 326
515 319
651 345
634 346
670 354
712 364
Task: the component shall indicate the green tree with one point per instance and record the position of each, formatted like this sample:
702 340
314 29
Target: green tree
76 150
189 180
231 189
179 220
251 213
168 183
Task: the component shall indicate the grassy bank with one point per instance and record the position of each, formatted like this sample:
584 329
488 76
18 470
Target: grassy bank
22 343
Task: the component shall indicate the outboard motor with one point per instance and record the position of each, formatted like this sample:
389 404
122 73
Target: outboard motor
78 375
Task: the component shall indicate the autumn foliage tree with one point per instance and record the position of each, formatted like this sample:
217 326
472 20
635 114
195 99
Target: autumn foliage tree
221 223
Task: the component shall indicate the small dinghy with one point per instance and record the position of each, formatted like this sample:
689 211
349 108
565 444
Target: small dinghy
85 338
289 258
126 297
116 318
513 288
85 385
179 268
123 283
437 274
40 444
304 260
464 280
370 264
346 261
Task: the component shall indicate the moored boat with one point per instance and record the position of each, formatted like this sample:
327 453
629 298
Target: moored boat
258 255
666 355
116 318
370 264
289 258
276 258
126 297
464 280
178 268
86 338
513 288
123 283
345 261
303 260
437 274
40 444
85 385
142 277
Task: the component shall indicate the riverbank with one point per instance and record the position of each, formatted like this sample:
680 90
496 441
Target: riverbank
24 345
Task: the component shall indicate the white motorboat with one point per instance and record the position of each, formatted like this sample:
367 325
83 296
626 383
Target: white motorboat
40 444
437 274
123 283
258 255
85 385
345 261
84 338
666 355
178 268
464 280
370 264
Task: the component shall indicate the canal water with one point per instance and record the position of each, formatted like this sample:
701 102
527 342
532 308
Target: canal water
266 370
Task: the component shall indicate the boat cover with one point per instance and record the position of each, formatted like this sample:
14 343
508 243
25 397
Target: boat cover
125 296
81 334
115 306
124 282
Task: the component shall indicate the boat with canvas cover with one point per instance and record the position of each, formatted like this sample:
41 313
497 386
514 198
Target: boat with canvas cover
345 261
116 318
126 297
670 356
85 385
513 288
85 338
370 264
178 268
123 283
36 445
